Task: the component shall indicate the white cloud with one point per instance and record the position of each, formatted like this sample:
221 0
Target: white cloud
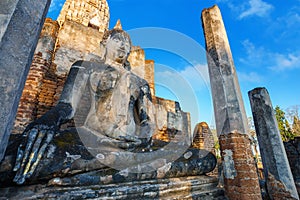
257 7
249 8
196 77
286 28
254 54
251 77
292 19
189 86
262 57
286 62
284 33
234 5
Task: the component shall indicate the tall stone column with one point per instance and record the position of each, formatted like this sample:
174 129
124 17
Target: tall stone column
20 26
280 182
239 170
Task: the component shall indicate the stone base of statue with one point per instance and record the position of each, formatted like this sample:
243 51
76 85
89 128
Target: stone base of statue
70 171
191 187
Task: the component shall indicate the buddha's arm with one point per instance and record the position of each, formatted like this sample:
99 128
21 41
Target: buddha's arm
146 112
39 133
74 87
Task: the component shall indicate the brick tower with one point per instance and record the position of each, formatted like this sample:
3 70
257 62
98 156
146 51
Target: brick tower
93 13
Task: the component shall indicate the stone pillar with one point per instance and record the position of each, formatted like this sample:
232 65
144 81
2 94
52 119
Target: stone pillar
20 25
240 177
280 182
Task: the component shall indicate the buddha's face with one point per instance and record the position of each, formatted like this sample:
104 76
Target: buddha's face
118 48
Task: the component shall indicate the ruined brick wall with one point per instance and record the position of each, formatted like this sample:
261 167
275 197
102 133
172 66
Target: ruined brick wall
149 76
171 120
162 107
48 92
141 67
51 65
82 24
31 96
137 60
59 46
93 13
169 105
277 190
75 42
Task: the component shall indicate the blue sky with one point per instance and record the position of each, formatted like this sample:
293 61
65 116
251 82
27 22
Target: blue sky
263 35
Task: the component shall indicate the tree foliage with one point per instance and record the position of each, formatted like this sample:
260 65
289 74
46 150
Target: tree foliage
283 125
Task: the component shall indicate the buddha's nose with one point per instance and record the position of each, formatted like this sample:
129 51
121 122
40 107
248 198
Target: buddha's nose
122 46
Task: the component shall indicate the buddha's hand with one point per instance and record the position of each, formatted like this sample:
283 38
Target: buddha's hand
36 139
129 142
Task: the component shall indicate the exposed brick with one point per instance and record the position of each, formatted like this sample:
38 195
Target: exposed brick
27 110
245 184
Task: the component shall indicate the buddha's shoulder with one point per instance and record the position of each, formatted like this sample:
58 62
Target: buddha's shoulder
93 66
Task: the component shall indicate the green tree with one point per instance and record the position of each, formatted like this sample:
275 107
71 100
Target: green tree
283 125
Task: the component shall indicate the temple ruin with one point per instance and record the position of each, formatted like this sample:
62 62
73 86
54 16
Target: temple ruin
76 35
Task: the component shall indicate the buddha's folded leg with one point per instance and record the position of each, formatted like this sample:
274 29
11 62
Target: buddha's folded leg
80 157
193 162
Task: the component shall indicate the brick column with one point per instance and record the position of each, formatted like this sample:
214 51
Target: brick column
27 110
280 182
240 177
21 22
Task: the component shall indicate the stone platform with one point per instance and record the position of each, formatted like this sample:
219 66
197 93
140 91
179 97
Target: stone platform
192 187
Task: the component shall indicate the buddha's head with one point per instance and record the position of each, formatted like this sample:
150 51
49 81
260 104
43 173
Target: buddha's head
117 45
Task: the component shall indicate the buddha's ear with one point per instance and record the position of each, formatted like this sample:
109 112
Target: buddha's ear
102 50
127 65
